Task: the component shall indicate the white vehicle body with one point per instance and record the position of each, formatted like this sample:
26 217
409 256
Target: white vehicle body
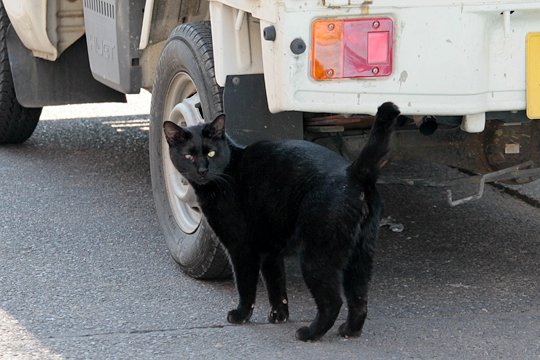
46 27
450 57
461 58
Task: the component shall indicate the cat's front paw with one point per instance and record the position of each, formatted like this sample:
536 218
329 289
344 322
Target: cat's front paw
238 316
278 314
347 332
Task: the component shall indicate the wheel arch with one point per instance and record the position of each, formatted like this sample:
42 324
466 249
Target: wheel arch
236 36
161 18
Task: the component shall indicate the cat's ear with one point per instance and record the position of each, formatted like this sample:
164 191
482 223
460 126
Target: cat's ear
174 133
216 129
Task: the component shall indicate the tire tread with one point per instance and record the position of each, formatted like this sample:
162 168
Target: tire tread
17 123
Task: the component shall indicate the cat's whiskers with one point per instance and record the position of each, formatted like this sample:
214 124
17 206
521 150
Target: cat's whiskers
224 176
221 181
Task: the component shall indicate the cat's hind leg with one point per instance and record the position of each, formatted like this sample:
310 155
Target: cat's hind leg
356 278
246 265
324 282
273 272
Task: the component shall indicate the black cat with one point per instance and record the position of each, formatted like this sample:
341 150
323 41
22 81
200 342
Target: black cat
261 199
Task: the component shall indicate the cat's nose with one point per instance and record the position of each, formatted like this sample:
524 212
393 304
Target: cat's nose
202 171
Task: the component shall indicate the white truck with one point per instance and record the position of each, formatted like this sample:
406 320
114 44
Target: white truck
466 75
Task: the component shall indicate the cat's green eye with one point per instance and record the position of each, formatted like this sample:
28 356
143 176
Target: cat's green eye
189 157
211 154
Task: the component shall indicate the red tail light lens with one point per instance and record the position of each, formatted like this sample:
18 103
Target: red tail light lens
351 48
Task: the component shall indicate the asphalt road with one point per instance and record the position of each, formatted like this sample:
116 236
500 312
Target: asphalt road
85 273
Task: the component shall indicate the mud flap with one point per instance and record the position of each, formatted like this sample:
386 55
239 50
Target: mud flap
67 80
247 114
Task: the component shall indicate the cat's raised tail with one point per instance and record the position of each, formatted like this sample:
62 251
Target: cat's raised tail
372 156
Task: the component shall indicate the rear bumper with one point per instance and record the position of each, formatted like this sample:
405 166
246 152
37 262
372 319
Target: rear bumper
448 60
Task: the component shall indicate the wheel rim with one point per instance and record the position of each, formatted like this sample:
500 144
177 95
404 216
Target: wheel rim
181 104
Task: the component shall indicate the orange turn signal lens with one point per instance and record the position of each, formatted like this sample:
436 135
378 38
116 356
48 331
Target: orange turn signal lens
351 48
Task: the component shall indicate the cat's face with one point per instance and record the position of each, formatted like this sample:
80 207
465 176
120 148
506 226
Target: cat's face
200 153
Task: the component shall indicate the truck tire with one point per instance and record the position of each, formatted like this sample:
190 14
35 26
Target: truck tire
17 123
185 92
